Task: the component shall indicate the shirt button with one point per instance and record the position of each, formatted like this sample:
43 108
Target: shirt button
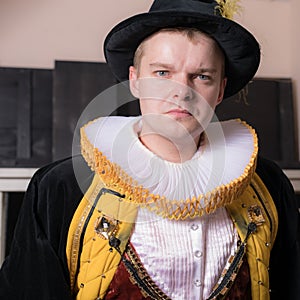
194 227
198 253
197 283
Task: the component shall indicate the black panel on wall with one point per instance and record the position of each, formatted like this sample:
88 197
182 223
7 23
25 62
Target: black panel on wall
39 110
25 117
267 105
75 85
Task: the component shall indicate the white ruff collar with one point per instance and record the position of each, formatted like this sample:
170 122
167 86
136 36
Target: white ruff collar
215 176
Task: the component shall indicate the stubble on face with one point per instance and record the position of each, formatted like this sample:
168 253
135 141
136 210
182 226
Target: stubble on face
170 94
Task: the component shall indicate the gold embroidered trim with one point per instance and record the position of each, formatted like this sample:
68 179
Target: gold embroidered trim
115 178
260 242
74 248
133 258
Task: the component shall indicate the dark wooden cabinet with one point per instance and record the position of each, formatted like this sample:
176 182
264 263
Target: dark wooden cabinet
75 85
39 111
25 117
267 105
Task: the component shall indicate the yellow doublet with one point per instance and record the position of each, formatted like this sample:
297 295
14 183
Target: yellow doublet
260 243
99 261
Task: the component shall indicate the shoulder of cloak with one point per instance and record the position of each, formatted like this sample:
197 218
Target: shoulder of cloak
285 255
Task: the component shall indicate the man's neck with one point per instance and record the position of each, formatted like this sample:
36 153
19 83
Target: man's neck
177 151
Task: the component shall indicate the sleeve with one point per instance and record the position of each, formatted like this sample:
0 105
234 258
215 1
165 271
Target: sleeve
36 267
285 254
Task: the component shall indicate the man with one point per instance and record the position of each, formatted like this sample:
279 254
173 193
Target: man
175 206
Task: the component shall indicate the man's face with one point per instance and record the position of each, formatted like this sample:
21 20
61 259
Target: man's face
179 82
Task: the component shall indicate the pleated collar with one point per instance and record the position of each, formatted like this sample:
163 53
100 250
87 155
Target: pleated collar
217 174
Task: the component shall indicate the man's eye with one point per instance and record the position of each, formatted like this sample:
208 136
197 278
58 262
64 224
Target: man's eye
162 73
203 77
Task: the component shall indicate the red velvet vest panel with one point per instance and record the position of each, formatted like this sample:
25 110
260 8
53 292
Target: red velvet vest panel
122 288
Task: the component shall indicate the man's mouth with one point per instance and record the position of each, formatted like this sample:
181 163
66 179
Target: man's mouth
179 113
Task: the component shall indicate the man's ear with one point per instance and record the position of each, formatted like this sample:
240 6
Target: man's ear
221 90
133 82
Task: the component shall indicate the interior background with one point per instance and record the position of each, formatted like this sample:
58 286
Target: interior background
35 33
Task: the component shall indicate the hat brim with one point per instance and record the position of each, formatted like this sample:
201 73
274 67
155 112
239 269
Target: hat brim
241 50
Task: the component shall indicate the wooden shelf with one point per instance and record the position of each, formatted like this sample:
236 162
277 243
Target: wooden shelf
15 179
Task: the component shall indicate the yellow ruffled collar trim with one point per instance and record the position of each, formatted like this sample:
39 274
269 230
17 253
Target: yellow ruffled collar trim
114 177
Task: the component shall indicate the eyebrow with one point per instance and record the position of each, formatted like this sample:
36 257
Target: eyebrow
206 70
161 65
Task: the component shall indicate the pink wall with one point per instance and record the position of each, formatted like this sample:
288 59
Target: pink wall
35 33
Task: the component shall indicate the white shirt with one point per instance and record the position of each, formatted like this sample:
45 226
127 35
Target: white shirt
184 258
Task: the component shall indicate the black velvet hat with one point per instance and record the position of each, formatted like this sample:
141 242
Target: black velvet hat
242 51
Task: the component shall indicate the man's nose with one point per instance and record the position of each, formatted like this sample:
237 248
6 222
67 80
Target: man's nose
182 91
